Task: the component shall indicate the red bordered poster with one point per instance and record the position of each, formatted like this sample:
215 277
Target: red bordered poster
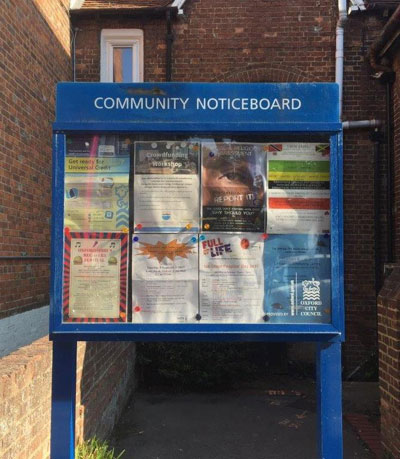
95 277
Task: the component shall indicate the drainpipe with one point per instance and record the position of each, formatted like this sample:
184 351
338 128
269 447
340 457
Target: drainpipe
385 73
340 50
169 41
377 137
389 170
361 124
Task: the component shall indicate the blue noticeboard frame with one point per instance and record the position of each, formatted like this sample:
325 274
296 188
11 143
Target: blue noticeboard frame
200 108
259 108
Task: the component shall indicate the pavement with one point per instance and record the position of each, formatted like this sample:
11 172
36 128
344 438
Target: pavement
272 420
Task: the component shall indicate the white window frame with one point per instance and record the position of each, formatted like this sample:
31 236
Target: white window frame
111 38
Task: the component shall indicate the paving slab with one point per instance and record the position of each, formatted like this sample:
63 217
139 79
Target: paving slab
245 424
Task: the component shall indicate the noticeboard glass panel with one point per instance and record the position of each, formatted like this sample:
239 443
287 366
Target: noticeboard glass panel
169 229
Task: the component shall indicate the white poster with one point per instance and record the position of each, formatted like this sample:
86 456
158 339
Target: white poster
231 278
164 278
166 186
298 193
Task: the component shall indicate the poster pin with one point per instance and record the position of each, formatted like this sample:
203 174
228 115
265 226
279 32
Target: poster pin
193 240
266 318
139 226
125 229
135 239
202 237
211 154
137 309
264 236
198 317
188 226
206 226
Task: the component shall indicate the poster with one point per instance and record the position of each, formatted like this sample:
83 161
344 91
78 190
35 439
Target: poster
166 186
95 275
298 194
98 145
96 194
233 179
164 278
231 278
297 278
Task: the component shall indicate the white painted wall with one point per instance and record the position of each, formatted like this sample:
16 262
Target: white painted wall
22 329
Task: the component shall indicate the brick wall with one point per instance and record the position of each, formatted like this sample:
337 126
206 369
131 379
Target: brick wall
364 98
104 384
389 363
279 41
389 309
35 54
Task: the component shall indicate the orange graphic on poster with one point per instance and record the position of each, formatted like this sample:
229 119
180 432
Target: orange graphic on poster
170 250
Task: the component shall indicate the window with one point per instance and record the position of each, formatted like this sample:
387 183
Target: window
121 55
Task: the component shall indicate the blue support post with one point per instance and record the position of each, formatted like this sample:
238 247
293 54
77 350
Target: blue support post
329 400
62 442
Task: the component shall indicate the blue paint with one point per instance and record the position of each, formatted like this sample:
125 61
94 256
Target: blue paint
57 231
63 400
329 401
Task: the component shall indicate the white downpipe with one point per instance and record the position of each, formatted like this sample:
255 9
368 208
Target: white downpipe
340 50
342 4
361 124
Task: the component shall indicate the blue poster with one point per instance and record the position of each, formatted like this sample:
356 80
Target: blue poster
297 271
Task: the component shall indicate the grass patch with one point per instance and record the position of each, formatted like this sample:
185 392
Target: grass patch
95 449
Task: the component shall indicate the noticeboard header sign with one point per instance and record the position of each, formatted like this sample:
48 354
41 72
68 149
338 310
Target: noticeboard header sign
196 103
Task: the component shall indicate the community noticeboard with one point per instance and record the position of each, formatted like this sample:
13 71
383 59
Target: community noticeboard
208 227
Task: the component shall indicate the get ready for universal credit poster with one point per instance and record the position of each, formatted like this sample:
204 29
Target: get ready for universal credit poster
233 181
231 278
298 192
96 193
164 278
166 186
297 278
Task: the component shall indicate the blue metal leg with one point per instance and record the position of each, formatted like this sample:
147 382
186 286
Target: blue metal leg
62 443
329 400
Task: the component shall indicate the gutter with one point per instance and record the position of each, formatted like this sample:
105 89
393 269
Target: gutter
384 43
178 4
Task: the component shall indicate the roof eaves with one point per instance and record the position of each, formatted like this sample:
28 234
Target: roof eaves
126 12
75 4
179 4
